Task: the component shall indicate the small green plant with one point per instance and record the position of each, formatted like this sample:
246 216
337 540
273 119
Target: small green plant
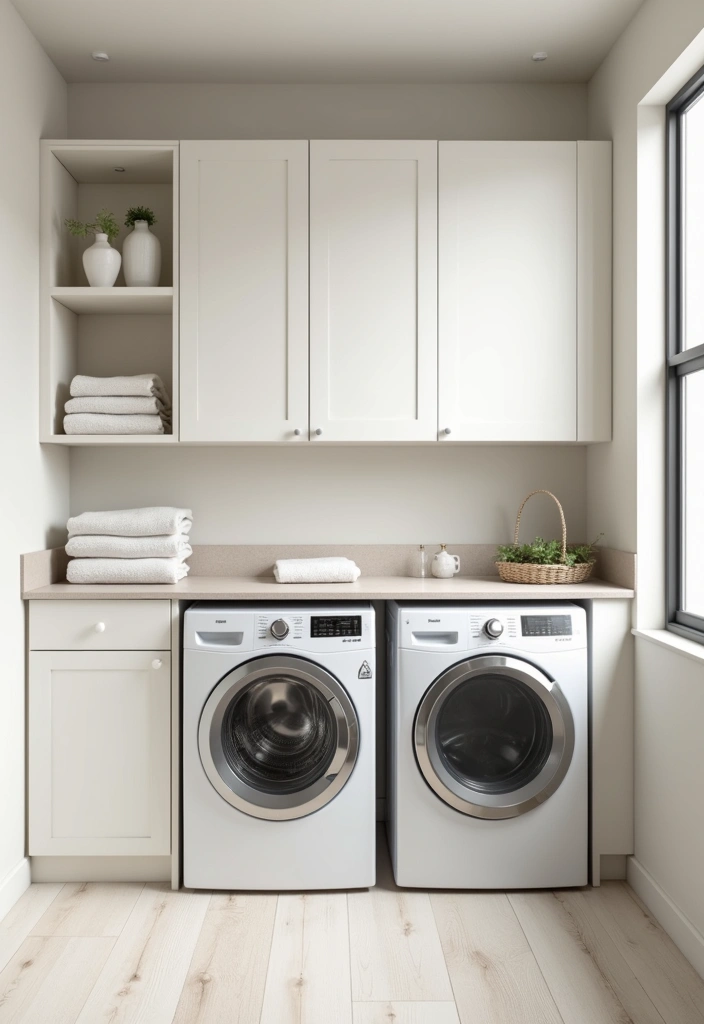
104 222
139 213
547 552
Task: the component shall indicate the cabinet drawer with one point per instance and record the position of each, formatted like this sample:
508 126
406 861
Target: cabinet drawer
99 625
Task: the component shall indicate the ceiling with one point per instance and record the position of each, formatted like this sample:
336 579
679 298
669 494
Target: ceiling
287 41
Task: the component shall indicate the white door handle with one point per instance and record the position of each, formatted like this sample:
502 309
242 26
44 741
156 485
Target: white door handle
157 663
100 627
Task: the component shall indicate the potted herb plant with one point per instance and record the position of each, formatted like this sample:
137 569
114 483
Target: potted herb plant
141 250
545 561
100 261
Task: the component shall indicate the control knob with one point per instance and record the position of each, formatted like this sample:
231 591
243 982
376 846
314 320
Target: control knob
279 629
493 628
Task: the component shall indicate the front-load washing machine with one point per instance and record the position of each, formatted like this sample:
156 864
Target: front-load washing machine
488 745
279 746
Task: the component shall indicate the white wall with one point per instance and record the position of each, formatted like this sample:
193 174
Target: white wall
662 47
266 495
340 495
34 480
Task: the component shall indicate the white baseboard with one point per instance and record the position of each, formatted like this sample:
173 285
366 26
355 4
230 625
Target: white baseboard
677 925
13 885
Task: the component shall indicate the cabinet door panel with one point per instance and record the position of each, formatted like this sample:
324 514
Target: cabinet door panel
507 291
244 291
373 302
99 775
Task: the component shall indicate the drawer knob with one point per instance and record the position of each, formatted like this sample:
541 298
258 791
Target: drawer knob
100 627
447 430
318 431
157 663
297 432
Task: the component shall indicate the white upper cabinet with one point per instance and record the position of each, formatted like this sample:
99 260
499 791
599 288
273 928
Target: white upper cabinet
244 291
524 291
373 291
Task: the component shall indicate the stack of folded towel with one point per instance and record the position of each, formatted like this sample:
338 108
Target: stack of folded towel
132 545
118 405
316 570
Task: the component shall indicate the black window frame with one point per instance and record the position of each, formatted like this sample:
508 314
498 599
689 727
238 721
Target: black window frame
680 362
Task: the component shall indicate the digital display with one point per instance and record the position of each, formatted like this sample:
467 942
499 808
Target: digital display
546 625
335 625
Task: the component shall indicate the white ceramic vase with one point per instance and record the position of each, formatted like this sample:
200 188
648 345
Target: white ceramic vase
101 262
141 252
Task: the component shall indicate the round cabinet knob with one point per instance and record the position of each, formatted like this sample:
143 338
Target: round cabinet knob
447 430
157 663
318 431
297 432
100 627
279 629
493 628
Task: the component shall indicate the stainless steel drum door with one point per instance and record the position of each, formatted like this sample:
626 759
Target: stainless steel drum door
494 737
278 737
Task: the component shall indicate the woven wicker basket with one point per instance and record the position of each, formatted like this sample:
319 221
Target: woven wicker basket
529 572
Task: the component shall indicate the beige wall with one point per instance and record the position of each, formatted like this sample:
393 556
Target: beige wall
327 111
662 47
35 481
265 495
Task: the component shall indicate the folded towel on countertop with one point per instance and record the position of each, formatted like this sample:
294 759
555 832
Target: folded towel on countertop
132 522
126 570
316 570
146 385
174 546
100 423
119 404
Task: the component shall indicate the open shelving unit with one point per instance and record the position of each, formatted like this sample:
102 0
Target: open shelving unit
105 331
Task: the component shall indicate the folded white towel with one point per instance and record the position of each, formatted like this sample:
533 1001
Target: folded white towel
174 546
146 385
316 570
100 423
126 570
122 405
132 522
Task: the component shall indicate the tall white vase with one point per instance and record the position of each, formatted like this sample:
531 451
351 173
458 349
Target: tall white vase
101 263
141 252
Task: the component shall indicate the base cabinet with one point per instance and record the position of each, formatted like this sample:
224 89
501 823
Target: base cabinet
99 753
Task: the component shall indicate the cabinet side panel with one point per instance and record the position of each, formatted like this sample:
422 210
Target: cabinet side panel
594 247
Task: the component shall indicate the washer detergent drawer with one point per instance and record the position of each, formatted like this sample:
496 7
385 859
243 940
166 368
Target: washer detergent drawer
100 625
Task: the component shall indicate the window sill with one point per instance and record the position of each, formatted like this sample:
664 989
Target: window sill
664 638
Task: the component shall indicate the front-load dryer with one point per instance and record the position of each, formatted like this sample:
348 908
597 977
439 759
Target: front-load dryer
488 745
279 746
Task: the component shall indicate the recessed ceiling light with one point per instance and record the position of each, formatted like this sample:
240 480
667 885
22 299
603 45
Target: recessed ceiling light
99 55
120 170
537 57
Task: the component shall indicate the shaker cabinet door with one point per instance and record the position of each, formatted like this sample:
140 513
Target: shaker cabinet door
99 752
508 291
244 291
373 291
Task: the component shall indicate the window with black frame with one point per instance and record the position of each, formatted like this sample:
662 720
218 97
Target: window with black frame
685 341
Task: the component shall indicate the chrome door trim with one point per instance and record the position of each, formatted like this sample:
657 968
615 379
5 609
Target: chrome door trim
272 806
494 805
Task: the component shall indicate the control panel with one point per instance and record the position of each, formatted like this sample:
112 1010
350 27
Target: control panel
546 625
335 625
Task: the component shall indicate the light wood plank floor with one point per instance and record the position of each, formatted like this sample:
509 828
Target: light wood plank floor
124 953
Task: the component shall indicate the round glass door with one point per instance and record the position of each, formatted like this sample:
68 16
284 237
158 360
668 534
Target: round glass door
278 737
494 737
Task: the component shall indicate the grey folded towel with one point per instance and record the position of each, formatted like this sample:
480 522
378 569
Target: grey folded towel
101 423
145 385
122 405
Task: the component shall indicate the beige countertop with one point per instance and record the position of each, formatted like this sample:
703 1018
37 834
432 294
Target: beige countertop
368 588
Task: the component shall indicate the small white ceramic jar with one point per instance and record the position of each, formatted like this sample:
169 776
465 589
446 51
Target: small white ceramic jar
444 565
